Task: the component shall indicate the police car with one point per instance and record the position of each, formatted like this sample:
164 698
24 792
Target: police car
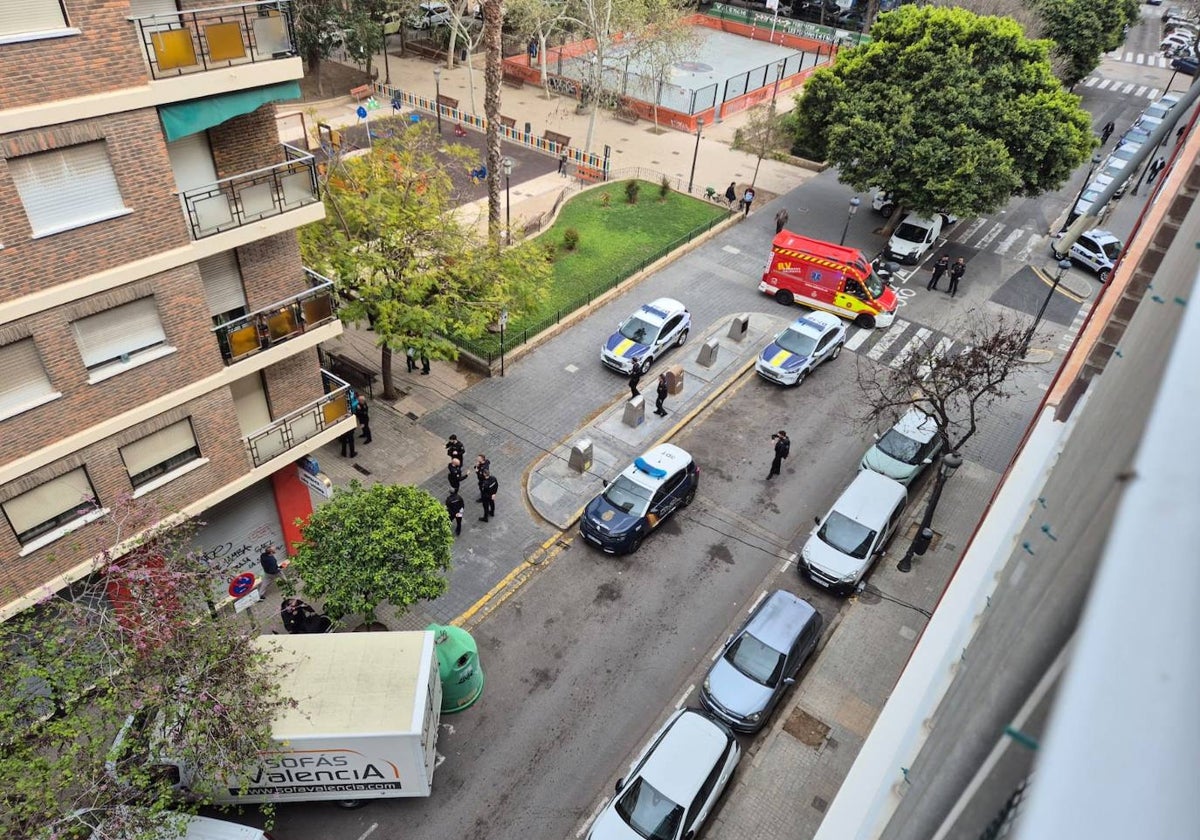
645 493
807 341
646 334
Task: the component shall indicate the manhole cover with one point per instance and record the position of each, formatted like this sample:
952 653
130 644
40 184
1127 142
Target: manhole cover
805 728
362 469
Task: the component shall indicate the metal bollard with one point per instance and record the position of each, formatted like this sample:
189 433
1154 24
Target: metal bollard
739 326
635 412
708 353
581 455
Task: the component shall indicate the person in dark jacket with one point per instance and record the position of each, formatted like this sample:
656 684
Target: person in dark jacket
482 467
270 563
939 268
662 395
299 617
454 507
731 193
956 272
454 474
346 439
455 448
1106 132
783 446
364 421
488 486
635 376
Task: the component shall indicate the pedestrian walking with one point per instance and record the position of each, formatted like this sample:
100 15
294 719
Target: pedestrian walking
747 199
364 421
1156 167
562 164
455 448
410 358
488 486
424 365
346 439
662 395
454 474
939 268
635 376
956 273
1106 132
270 563
482 467
455 507
731 193
783 446
781 219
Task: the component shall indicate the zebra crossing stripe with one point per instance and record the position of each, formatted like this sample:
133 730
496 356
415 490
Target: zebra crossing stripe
1091 81
1141 58
1153 94
1034 240
1008 241
1141 91
889 338
1129 88
939 351
1104 84
858 339
915 343
987 238
1128 57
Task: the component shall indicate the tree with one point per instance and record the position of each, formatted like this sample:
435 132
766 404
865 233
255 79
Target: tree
761 134
667 40
316 23
947 110
405 261
538 19
1083 30
135 637
367 546
954 390
493 73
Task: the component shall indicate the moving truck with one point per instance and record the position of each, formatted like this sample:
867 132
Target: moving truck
831 277
364 725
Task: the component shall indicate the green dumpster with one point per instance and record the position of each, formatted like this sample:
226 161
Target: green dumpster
458 666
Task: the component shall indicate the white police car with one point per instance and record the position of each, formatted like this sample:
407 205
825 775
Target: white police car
646 334
645 493
809 340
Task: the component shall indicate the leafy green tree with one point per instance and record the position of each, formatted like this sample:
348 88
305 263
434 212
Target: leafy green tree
368 546
539 19
316 23
405 261
135 637
1083 30
945 109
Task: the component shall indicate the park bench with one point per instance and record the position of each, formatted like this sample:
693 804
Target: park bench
508 122
357 374
589 173
562 140
362 92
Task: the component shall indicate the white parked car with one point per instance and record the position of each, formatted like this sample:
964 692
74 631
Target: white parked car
855 532
914 236
429 15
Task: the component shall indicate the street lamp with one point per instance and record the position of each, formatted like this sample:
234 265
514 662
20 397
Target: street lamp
778 79
1063 265
437 105
696 153
1087 180
951 461
854 202
507 163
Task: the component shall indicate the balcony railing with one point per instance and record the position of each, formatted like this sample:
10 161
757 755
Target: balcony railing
203 39
303 423
249 197
243 337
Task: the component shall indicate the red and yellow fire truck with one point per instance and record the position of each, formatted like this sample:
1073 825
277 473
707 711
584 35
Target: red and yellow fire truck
830 277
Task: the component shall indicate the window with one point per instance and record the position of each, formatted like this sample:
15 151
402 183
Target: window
223 287
29 17
51 506
24 384
115 335
67 188
160 453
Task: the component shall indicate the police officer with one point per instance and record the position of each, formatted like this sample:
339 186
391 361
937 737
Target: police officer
454 507
662 395
488 485
939 268
482 467
455 448
956 273
783 446
635 376
454 474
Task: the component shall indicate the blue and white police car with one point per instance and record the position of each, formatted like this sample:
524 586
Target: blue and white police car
647 334
809 340
645 493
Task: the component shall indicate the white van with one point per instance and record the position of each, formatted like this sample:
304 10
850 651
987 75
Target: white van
913 237
855 532
429 15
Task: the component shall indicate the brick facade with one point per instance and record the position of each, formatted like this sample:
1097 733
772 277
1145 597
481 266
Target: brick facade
246 143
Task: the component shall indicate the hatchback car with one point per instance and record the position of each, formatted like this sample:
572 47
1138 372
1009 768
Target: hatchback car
904 451
761 660
913 237
647 334
853 535
807 341
1186 66
645 493
430 15
1096 249
1089 196
673 785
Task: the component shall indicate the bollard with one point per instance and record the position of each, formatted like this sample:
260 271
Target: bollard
738 327
708 353
921 543
675 379
581 455
635 412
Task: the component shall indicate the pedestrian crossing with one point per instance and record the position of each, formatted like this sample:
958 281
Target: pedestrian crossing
1123 88
895 345
1012 242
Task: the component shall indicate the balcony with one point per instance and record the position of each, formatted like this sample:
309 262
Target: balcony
293 429
244 337
233 202
197 40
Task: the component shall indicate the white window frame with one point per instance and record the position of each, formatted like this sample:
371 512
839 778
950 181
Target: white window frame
64 29
13 357
162 440
64 527
131 356
73 177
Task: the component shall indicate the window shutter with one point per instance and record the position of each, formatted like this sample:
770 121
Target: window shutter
24 379
18 17
46 501
120 331
222 283
160 446
66 188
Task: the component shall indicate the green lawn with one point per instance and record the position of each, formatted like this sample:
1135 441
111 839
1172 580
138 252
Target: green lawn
614 242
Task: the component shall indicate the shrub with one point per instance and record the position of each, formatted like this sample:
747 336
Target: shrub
570 239
664 187
631 191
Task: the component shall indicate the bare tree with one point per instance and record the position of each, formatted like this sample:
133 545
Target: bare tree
956 389
667 40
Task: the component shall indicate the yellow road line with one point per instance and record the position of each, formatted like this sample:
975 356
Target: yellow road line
1049 281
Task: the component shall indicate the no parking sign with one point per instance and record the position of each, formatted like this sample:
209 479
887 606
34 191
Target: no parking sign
241 584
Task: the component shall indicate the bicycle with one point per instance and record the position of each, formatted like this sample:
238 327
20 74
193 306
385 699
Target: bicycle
717 197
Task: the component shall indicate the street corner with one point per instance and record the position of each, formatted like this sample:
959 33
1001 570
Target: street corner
563 481
1026 291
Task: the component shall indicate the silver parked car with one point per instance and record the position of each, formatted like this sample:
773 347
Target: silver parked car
761 660
906 449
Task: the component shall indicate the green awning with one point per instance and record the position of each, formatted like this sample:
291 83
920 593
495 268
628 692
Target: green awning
184 118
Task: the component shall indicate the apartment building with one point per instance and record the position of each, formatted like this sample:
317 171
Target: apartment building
158 331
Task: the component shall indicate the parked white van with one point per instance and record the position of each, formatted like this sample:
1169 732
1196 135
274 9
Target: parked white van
914 236
853 535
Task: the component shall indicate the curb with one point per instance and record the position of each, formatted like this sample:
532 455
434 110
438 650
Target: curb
1071 292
